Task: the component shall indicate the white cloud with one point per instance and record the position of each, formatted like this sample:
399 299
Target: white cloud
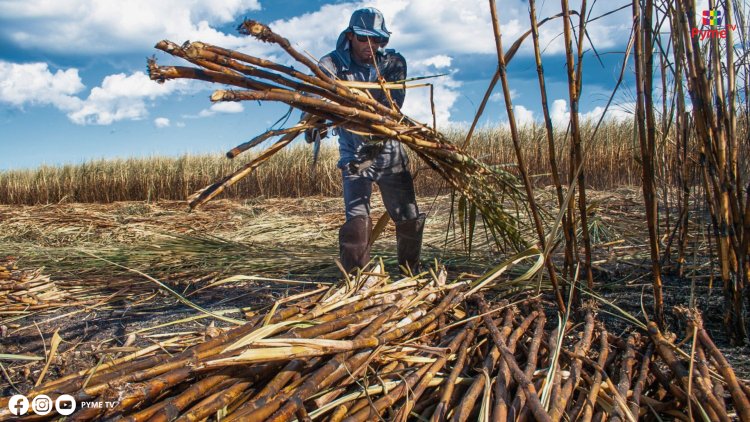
560 114
425 28
161 122
222 107
89 27
523 115
438 62
228 107
499 97
122 97
617 112
430 34
35 84
417 103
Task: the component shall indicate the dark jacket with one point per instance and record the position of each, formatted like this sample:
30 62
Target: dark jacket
392 66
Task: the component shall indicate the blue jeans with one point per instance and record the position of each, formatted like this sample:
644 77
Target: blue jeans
396 189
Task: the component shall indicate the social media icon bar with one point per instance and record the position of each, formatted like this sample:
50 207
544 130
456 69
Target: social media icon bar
18 405
65 405
41 405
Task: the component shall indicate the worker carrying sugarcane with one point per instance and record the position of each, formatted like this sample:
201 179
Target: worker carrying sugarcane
360 55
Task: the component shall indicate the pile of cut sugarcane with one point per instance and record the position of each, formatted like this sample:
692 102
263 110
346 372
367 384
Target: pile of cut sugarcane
328 102
414 349
26 290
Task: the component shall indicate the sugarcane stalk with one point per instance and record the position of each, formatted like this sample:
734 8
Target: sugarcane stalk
274 410
165 73
272 388
524 384
441 410
126 370
587 409
349 331
640 383
170 408
581 348
219 187
646 137
344 317
195 52
701 361
576 148
519 157
218 400
626 369
739 398
372 412
265 34
496 76
552 151
667 382
464 409
503 380
177 51
339 87
149 390
702 393
532 356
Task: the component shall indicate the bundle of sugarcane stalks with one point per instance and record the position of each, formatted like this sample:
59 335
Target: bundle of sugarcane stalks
413 349
25 290
328 102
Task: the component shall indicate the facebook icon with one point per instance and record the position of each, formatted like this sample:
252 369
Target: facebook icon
18 405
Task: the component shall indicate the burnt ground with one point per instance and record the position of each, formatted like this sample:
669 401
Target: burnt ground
101 308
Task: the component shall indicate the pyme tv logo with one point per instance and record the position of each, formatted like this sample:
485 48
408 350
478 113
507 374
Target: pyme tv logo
712 17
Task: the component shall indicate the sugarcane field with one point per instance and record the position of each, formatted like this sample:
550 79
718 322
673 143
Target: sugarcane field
573 266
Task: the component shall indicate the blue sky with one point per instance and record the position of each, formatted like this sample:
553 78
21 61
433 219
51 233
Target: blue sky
73 85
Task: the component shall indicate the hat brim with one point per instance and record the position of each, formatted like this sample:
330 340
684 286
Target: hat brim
370 33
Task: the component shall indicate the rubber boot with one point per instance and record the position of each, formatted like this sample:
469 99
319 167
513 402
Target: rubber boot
409 243
354 248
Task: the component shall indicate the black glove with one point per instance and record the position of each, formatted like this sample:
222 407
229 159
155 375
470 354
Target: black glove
312 134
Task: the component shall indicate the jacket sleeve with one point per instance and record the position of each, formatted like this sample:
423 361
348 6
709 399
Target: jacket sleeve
328 66
396 71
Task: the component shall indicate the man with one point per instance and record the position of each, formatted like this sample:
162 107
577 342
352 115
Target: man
360 56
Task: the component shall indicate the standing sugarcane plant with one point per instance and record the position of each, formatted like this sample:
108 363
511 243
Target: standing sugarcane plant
567 227
574 71
642 18
723 154
519 157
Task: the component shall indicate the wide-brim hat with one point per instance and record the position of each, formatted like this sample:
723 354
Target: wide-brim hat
369 22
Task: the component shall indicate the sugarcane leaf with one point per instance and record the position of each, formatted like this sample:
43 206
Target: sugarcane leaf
472 224
462 218
261 333
380 226
6 356
498 270
54 343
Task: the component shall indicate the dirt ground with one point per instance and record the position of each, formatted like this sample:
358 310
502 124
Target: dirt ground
102 263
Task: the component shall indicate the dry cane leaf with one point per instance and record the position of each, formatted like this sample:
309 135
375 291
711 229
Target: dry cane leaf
54 343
